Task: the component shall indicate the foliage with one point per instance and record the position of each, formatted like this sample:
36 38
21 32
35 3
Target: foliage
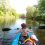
41 6
6 21
32 13
37 14
22 16
41 19
7 14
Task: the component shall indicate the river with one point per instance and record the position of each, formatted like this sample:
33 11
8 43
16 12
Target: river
15 26
10 35
18 23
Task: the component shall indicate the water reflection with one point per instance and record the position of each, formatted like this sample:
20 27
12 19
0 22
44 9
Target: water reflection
6 21
14 27
10 35
18 23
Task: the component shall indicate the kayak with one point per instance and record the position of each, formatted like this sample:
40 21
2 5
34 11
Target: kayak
15 41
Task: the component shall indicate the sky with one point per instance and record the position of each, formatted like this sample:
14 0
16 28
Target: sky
20 5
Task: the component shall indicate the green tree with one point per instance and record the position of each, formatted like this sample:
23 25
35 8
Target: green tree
4 6
22 16
7 14
41 6
41 19
32 13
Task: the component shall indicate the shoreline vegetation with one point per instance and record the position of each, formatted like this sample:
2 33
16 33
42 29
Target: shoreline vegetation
6 21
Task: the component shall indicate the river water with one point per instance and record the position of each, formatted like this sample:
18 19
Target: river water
15 26
18 23
10 35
